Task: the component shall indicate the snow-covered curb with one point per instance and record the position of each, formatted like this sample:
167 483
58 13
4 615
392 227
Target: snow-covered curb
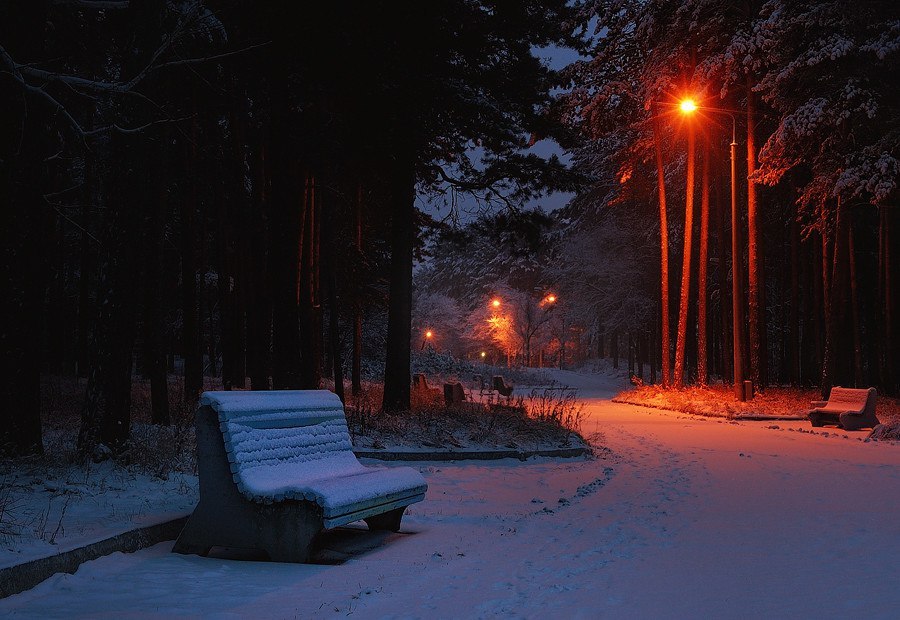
21 577
468 455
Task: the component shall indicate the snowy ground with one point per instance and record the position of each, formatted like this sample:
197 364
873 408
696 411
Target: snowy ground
677 516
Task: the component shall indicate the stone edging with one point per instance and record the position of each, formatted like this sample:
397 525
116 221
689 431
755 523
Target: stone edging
21 577
469 455
738 417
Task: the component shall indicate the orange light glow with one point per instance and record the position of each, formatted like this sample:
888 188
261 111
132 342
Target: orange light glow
495 303
428 334
687 106
483 355
551 298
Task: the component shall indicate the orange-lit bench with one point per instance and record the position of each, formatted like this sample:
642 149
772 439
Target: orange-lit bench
848 408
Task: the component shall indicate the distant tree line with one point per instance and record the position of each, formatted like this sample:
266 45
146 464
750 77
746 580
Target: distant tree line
234 180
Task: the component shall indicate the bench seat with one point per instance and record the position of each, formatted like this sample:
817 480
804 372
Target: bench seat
849 408
276 467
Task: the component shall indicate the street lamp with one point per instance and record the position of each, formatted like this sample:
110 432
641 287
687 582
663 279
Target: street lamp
428 336
687 107
495 303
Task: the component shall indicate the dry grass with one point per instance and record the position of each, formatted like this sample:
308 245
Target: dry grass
718 401
543 419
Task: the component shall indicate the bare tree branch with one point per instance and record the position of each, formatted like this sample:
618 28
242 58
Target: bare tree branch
194 61
105 5
93 133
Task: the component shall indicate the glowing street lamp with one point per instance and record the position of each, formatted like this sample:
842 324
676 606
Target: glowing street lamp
551 298
495 303
428 336
687 107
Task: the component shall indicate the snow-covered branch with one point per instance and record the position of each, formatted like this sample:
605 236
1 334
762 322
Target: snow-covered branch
100 5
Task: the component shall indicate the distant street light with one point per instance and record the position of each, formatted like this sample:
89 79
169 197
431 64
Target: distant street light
687 107
495 303
428 336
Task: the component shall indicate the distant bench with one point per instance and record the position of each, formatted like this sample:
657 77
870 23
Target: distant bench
277 467
849 408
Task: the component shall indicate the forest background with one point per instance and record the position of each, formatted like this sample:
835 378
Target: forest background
232 189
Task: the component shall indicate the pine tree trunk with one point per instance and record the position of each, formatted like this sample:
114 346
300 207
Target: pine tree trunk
665 343
403 211
285 246
356 372
614 348
888 356
794 343
23 271
854 305
755 262
310 323
259 311
685 265
105 416
725 351
702 295
154 311
190 328
328 232
832 252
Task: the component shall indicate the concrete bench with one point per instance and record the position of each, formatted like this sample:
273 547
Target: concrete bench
277 467
499 384
848 408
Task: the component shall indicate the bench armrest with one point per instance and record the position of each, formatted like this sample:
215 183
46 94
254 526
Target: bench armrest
818 403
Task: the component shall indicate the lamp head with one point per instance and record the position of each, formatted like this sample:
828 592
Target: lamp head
687 106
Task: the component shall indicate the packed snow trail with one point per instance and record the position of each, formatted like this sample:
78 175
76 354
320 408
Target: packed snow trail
676 516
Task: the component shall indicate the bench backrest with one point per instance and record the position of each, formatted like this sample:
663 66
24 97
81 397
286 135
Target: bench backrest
268 428
851 398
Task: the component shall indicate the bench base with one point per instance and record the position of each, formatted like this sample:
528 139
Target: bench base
849 420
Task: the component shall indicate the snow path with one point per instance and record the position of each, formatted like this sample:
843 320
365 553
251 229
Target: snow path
677 517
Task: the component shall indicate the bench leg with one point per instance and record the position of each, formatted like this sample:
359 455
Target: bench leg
193 539
388 521
284 531
857 421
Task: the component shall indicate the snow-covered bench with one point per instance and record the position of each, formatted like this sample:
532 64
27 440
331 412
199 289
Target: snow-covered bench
277 467
849 408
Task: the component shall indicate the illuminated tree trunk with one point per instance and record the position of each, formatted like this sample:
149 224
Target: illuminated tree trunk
794 343
854 306
702 372
888 348
328 234
724 294
685 265
832 263
755 263
665 343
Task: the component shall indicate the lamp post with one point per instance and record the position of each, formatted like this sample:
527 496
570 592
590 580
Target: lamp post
737 290
428 336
